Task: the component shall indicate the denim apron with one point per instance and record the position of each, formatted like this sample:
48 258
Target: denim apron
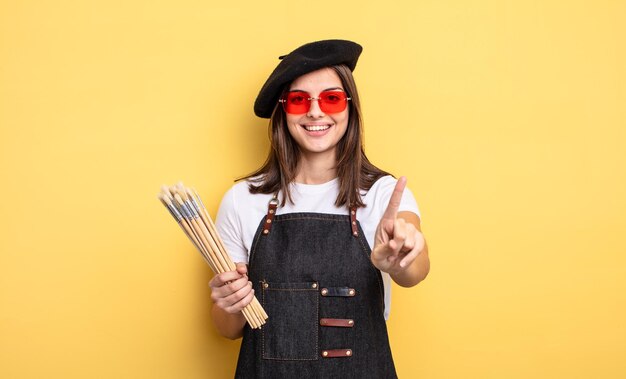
313 275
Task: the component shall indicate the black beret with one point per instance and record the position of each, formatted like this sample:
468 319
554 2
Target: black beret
305 59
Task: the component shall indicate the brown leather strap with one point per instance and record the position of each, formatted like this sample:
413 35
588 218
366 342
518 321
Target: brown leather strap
338 322
337 353
271 212
355 229
338 291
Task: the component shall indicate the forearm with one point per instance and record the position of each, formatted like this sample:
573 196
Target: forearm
229 325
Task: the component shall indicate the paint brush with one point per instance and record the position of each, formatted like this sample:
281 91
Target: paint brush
186 207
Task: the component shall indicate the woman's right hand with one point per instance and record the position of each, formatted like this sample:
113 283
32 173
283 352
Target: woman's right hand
231 291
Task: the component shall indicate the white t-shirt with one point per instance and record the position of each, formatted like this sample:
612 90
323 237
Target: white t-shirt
241 212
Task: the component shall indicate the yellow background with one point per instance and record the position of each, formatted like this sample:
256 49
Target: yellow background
507 117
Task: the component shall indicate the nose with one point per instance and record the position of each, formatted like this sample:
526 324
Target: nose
314 110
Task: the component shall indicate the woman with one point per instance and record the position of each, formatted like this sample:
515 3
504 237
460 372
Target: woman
318 231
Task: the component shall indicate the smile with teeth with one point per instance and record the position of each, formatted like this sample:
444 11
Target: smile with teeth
316 128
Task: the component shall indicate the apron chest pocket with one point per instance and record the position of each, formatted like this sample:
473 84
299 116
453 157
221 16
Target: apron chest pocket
291 332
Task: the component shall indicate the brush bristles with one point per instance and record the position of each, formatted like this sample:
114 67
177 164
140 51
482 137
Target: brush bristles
186 207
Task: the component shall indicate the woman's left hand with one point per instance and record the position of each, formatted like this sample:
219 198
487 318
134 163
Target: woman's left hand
397 242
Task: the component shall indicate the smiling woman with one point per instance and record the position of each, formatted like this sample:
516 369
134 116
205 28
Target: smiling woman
350 162
318 231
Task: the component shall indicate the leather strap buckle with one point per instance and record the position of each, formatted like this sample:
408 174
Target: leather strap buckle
353 225
271 212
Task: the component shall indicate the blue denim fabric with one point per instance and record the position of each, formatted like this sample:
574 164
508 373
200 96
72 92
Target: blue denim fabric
303 253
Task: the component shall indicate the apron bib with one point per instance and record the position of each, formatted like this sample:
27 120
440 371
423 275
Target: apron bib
313 275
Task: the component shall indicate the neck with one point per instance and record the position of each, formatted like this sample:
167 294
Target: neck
316 169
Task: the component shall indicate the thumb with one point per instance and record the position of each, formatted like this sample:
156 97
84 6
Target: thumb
241 268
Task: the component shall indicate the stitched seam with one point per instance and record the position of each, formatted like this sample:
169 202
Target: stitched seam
317 327
290 289
325 216
263 329
307 218
291 359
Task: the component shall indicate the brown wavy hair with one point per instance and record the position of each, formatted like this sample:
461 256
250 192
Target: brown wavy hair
355 172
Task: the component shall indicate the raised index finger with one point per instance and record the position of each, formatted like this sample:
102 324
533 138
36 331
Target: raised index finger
394 202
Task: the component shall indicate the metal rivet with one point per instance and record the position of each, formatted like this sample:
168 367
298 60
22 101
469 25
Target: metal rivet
353 222
323 322
351 292
348 352
325 353
268 221
350 322
271 211
353 212
314 285
356 233
324 291
266 285
266 231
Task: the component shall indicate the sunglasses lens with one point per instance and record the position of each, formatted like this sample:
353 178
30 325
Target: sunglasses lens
329 102
297 102
333 101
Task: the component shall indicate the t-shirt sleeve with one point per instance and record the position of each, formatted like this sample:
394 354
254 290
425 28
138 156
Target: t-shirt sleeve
229 227
408 203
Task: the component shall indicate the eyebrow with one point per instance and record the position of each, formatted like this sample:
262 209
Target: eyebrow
327 89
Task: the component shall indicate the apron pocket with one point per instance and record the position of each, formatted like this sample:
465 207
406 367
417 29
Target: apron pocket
291 330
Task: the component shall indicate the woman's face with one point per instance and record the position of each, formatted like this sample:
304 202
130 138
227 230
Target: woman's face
317 132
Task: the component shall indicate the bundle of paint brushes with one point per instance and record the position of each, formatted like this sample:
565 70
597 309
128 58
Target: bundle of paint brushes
188 210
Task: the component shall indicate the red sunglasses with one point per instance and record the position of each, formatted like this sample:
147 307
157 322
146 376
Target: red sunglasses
299 102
